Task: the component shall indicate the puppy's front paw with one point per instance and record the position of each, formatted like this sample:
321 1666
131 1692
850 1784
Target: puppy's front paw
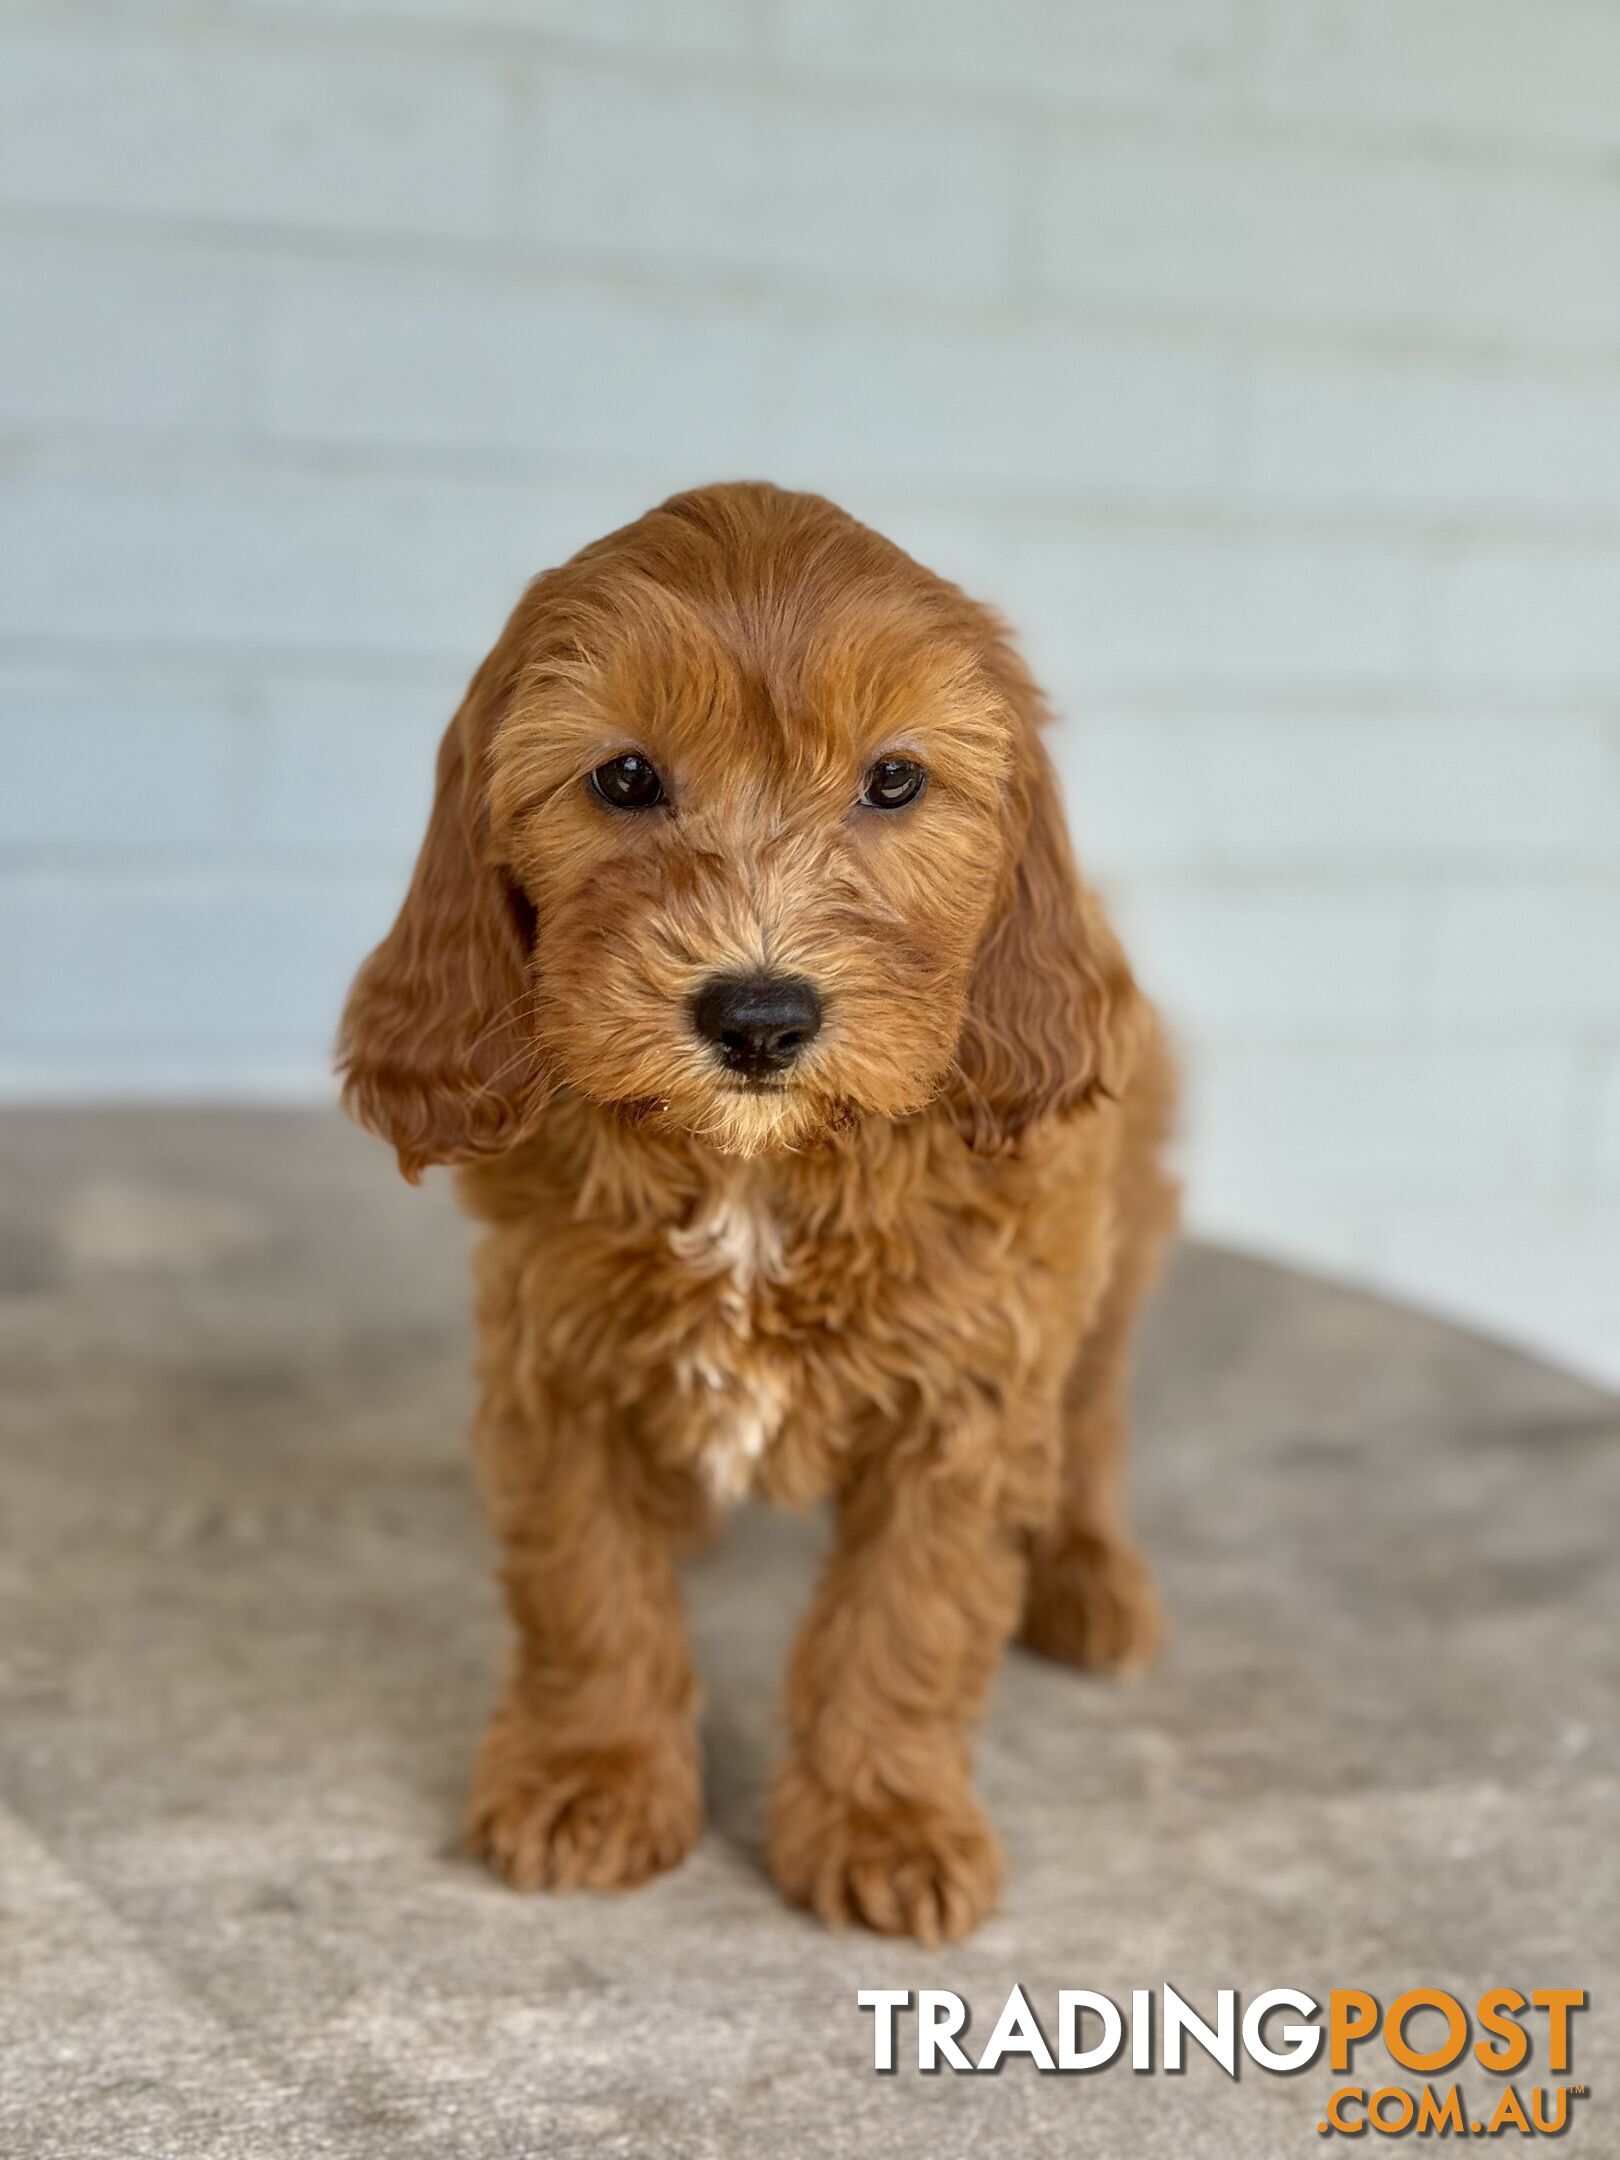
1092 1602
931 1869
586 1818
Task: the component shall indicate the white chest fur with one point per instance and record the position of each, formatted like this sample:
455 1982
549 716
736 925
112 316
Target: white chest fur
736 1390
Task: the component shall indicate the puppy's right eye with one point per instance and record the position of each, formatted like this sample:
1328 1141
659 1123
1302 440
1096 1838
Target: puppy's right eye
630 782
892 783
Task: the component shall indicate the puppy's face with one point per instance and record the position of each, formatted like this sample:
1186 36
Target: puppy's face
743 829
761 856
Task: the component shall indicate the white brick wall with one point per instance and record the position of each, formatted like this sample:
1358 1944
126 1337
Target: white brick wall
257 132
1261 357
662 173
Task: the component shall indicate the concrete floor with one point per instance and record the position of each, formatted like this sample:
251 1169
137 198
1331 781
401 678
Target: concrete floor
247 1640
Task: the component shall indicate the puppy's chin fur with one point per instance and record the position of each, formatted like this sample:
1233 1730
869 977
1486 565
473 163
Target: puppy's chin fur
747 1122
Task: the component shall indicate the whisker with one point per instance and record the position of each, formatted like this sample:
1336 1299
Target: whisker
508 1012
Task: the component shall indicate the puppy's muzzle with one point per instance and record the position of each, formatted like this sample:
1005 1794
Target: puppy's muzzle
758 1024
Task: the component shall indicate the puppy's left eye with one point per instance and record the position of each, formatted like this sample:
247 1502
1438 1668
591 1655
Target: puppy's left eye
893 782
630 782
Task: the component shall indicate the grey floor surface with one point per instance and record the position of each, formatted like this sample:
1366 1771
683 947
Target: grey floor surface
247 1640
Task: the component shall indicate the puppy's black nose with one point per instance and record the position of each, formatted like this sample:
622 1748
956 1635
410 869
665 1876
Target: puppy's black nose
758 1023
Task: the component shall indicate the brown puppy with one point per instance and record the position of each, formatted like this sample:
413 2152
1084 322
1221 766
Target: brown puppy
815 1118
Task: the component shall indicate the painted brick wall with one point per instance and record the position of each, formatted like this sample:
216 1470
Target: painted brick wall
1261 356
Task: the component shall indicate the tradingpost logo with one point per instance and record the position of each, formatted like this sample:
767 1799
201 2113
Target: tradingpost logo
1498 2062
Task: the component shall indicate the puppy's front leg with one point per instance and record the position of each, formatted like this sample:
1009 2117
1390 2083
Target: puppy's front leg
872 1815
589 1771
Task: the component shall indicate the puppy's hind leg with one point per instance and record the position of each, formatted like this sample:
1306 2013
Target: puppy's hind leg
1090 1599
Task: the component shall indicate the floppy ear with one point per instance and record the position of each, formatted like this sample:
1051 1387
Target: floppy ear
1051 1012
433 1052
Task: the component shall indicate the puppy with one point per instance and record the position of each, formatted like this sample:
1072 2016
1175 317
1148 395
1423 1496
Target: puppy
816 1120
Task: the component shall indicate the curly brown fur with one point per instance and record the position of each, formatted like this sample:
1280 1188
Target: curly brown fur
904 1278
